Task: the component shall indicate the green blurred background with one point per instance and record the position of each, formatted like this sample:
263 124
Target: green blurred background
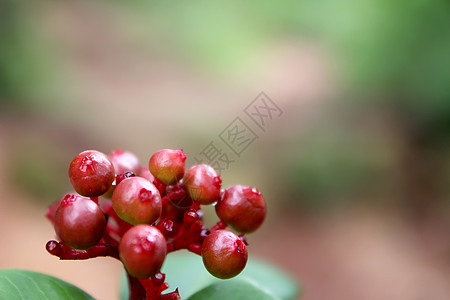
355 172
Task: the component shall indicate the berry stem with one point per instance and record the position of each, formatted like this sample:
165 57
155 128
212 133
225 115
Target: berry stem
175 295
243 238
195 248
177 193
159 185
64 252
220 225
127 219
149 288
153 290
122 226
189 235
137 291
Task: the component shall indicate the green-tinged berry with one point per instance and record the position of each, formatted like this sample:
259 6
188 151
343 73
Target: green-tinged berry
137 201
168 165
202 183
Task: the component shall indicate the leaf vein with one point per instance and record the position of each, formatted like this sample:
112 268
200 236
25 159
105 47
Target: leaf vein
15 286
37 286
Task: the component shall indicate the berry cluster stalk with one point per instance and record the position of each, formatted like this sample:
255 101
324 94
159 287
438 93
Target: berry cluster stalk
141 214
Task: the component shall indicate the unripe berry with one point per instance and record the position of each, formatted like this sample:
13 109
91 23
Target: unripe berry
168 165
242 207
137 201
224 254
91 173
202 183
79 222
142 250
124 161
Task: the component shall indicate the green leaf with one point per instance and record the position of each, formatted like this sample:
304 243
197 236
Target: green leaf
239 289
21 284
186 272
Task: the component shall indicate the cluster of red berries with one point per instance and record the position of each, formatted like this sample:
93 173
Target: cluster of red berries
138 215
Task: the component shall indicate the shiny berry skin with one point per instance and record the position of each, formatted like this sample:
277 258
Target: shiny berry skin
137 201
202 183
79 222
224 254
145 172
168 165
124 161
242 207
142 250
91 173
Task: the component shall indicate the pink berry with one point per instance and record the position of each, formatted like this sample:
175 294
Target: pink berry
224 254
202 183
91 173
145 172
137 201
142 250
124 161
242 207
79 222
168 165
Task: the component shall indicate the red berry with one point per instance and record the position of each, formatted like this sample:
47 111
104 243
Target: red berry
124 161
91 173
242 207
143 250
145 172
202 183
224 254
137 201
168 165
79 222
51 210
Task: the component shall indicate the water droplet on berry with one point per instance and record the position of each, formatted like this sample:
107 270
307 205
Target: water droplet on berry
255 191
158 278
168 225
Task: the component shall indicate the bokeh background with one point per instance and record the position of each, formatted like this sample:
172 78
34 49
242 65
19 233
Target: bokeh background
355 171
